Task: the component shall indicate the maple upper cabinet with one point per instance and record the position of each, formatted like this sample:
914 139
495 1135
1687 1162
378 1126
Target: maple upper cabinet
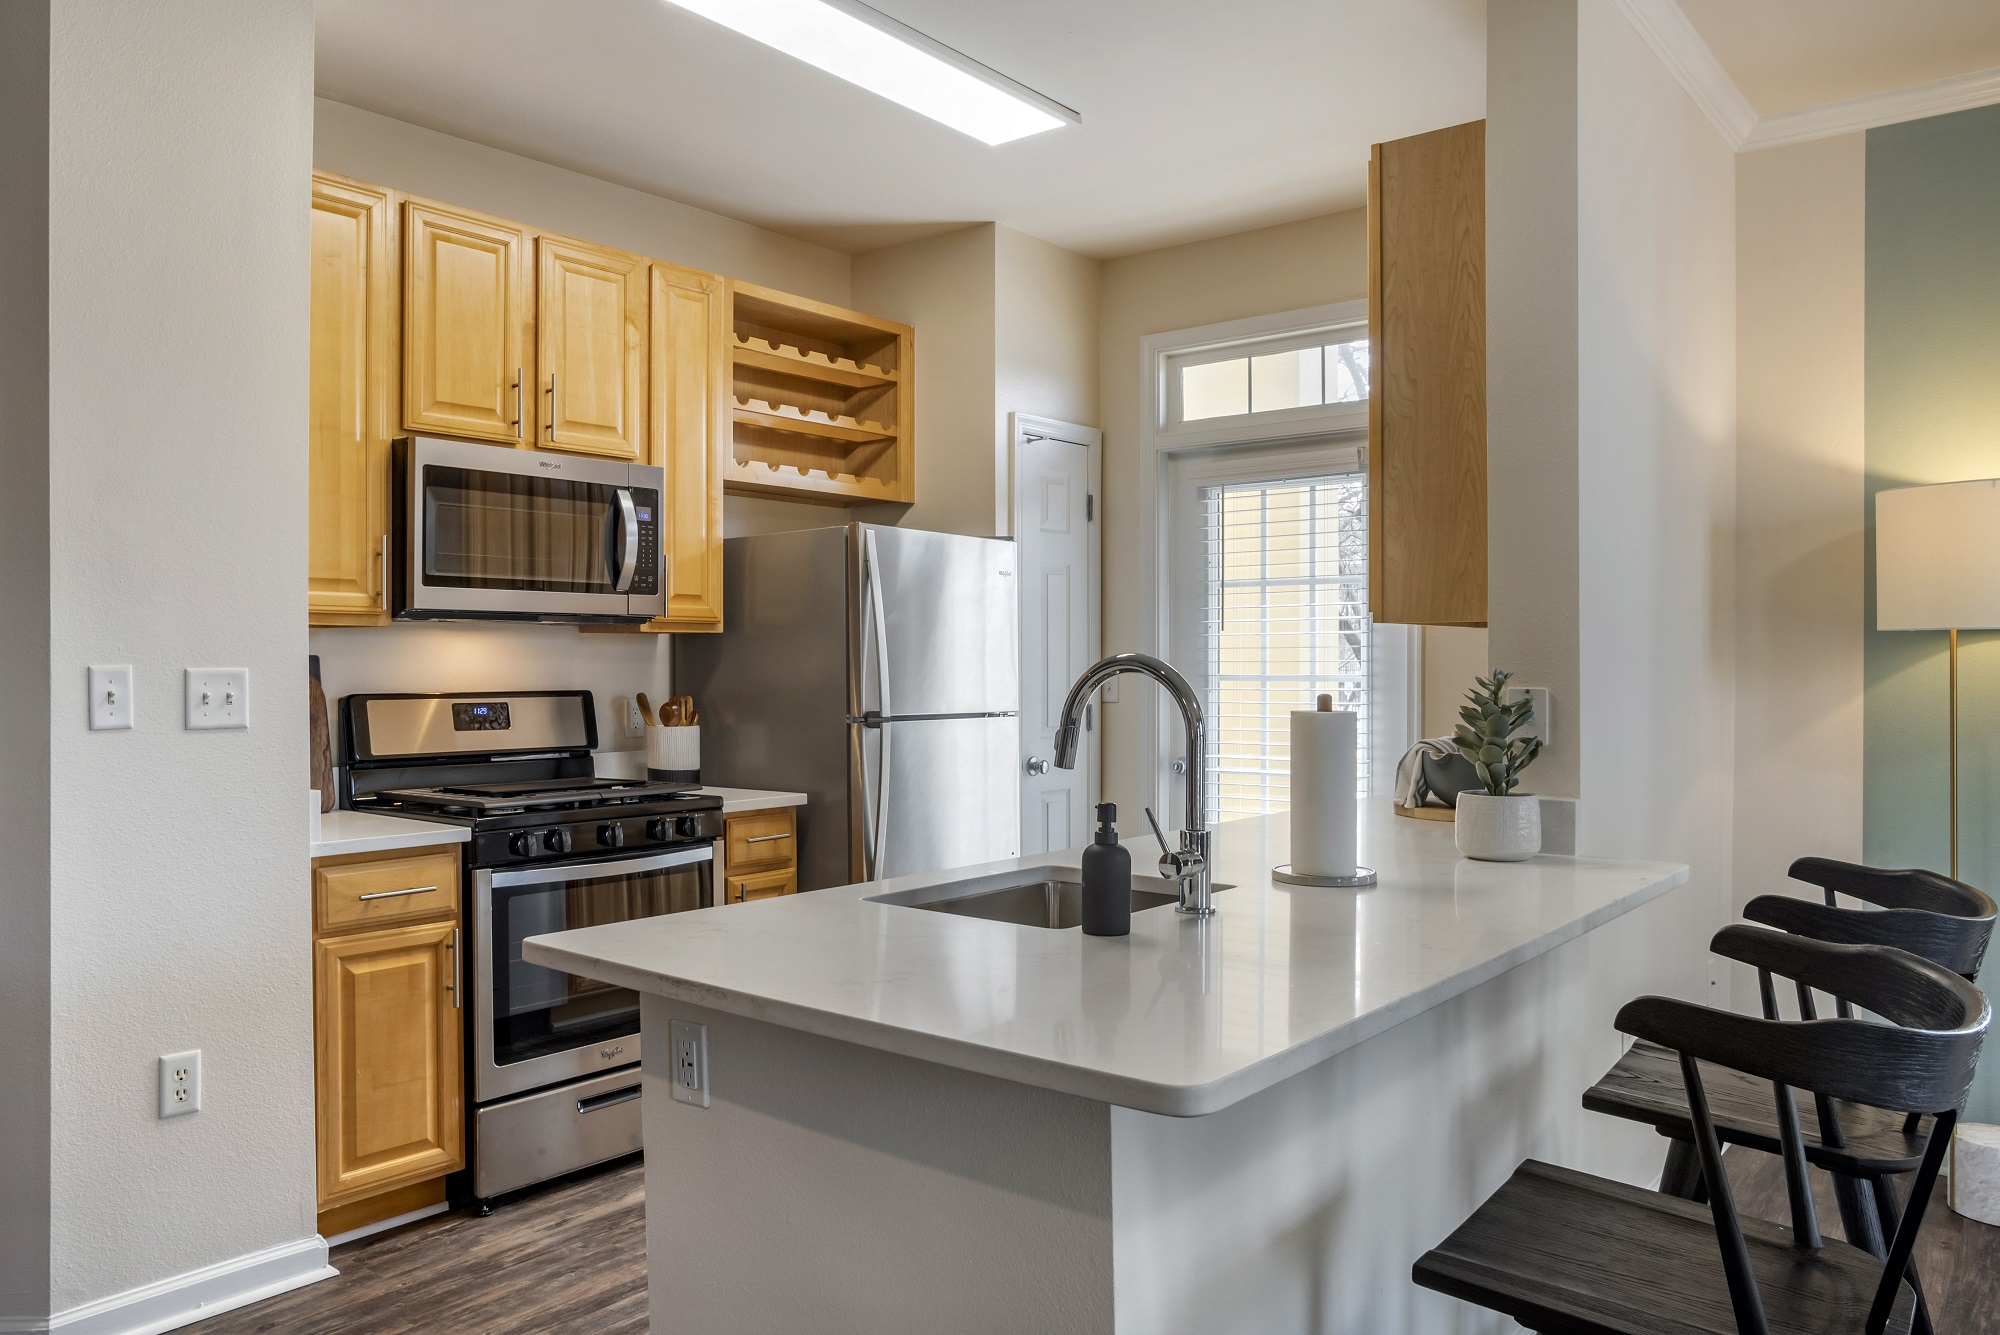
466 320
690 434
1427 397
590 348
352 401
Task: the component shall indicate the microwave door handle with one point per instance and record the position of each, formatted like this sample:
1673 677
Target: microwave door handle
628 541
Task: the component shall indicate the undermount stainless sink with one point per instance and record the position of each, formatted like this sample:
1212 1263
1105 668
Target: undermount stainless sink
1031 897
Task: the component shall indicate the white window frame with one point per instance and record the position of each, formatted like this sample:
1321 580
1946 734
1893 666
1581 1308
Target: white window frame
1163 440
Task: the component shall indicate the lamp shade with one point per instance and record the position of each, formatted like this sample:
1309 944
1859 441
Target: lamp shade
1937 557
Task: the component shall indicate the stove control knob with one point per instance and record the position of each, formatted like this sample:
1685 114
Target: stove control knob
659 829
688 827
522 845
556 841
612 835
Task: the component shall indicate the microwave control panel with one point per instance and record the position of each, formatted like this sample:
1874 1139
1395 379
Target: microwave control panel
646 579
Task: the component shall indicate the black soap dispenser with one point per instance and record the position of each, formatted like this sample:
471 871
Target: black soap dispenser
1107 880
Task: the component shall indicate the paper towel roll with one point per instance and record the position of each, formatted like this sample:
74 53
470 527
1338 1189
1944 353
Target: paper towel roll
1324 778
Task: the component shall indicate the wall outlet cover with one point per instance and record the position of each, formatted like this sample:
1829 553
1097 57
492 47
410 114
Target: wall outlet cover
218 698
180 1083
688 1054
110 698
1541 726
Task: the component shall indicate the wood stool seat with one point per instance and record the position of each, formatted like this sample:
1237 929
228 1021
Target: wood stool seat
1645 1086
1570 1254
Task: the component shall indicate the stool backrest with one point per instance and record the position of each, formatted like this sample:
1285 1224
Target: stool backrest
1945 921
1922 1061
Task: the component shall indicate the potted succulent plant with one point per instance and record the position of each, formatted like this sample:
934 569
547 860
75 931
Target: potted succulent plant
1497 825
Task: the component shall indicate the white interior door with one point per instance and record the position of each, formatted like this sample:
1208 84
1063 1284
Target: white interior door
1055 524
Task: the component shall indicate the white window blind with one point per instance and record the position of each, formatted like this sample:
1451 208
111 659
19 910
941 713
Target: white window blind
1286 619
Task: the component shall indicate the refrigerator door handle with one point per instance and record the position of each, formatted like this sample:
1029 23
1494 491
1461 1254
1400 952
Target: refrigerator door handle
879 825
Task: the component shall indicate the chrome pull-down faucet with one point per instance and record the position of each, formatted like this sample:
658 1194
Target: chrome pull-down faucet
1189 865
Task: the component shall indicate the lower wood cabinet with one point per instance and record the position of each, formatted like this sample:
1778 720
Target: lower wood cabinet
760 855
389 1068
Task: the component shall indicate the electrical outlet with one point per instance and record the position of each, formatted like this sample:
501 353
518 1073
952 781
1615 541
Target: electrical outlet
180 1084
110 698
1540 724
218 698
689 1050
635 724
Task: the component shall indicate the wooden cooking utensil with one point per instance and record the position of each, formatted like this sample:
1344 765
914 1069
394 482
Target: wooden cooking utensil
645 709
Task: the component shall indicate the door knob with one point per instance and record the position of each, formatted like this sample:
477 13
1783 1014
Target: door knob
1037 766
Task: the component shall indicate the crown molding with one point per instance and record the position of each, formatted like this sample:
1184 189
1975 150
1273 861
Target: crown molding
1961 92
1681 49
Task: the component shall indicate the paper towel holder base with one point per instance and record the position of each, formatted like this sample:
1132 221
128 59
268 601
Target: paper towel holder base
1284 875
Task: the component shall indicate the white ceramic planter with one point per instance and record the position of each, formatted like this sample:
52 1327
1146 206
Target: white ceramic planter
1498 829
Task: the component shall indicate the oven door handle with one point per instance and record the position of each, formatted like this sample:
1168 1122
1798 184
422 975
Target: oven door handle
590 871
628 540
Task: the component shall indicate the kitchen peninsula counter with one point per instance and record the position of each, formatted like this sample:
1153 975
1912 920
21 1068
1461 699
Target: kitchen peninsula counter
922 1121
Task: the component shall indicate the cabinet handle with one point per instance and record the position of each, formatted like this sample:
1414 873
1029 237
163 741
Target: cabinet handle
552 405
517 403
384 599
457 973
393 894
765 838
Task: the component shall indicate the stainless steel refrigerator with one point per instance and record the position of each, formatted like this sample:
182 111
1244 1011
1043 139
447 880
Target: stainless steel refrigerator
876 670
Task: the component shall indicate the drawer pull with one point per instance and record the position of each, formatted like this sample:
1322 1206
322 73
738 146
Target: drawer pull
765 838
395 894
610 1099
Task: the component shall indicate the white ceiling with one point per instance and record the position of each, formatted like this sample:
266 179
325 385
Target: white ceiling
1787 55
1199 119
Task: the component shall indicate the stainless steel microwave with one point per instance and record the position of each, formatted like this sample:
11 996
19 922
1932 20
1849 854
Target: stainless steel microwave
492 533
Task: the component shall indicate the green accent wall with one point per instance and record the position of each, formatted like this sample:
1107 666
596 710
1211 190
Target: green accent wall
1933 415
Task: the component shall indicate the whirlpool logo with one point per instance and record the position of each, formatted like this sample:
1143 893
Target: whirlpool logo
612 1053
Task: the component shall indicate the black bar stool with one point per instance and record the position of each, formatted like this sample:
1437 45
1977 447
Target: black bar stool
1945 921
1562 1251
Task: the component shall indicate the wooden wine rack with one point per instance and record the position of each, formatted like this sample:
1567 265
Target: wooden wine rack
823 406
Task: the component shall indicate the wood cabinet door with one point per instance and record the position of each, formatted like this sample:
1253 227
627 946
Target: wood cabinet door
464 317
690 430
590 349
389 1066
759 840
1427 399
351 413
765 885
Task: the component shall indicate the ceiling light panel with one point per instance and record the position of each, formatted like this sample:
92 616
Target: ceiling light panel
875 52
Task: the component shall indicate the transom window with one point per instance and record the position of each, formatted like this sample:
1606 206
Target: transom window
1273 375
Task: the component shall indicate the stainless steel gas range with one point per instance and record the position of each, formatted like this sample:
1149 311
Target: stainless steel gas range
553 1079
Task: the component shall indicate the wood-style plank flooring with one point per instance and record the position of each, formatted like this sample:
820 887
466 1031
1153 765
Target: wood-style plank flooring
567 1260
571 1260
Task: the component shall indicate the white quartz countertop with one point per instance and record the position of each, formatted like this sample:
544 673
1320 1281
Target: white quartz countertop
1184 1016
752 799
370 832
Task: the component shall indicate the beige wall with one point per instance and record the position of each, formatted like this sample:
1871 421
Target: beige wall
1453 657
1046 311
1313 262
944 285
1800 512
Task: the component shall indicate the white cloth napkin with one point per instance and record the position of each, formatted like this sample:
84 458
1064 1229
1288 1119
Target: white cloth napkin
1412 790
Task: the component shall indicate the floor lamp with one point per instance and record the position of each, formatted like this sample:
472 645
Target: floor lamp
1937 567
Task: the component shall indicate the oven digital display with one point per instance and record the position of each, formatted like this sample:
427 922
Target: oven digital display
469 716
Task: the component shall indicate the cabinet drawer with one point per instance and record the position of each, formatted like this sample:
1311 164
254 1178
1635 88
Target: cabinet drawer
764 885
760 839
377 889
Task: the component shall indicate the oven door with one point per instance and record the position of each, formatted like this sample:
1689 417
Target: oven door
514 534
533 1026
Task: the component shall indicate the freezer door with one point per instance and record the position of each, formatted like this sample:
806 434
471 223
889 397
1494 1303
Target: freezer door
938 793
941 611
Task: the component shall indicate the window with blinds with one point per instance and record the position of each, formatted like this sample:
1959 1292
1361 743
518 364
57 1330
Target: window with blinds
1285 620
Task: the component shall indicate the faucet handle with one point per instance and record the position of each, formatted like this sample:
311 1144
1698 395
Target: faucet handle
1156 831
1176 866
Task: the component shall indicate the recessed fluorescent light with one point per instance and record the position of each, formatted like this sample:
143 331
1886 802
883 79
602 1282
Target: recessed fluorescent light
871 49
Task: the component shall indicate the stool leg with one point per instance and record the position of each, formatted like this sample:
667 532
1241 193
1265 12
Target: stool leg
1859 1219
1890 1214
1682 1175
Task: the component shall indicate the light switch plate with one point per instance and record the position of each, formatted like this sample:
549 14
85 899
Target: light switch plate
110 698
218 698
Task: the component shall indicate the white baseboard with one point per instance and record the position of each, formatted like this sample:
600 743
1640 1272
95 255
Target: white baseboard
194 1296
